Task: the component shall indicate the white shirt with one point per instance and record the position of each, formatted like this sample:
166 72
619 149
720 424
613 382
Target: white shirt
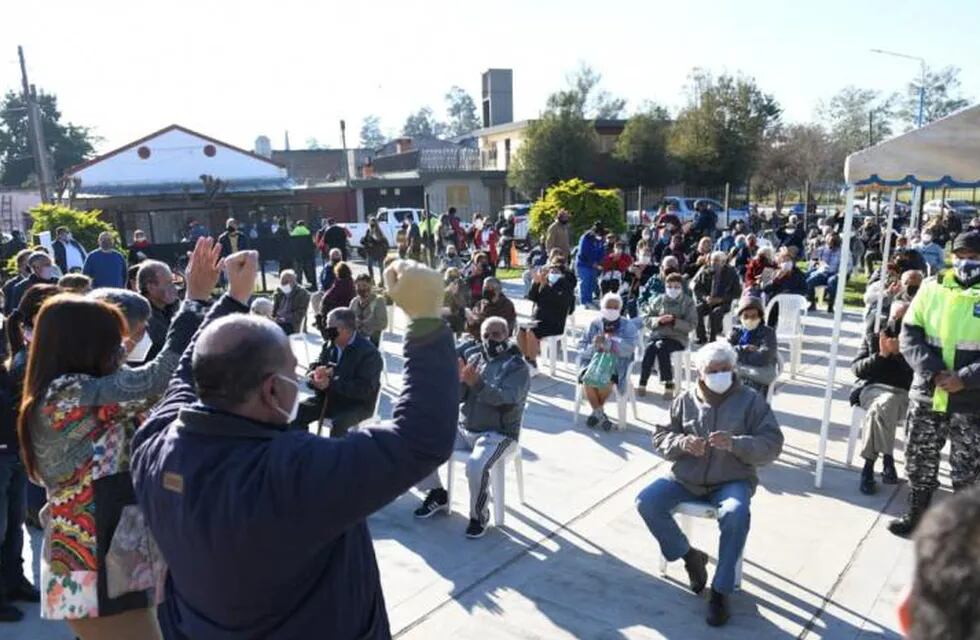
73 257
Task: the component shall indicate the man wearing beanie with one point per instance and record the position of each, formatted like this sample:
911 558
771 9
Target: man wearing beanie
940 340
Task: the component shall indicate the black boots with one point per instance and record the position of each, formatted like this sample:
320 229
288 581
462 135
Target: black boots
718 612
696 564
918 503
868 477
888 473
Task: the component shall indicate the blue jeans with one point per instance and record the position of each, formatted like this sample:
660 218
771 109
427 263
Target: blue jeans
586 283
657 501
13 498
816 279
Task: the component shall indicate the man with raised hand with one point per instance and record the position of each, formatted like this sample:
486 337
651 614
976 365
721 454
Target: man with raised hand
263 529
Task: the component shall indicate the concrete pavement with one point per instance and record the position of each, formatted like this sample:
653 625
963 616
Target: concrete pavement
576 561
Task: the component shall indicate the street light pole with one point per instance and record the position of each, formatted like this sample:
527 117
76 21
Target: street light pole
916 191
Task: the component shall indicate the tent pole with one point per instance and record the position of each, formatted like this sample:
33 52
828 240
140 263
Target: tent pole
845 259
916 203
885 254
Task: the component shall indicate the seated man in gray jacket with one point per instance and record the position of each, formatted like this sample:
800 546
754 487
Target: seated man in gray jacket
495 383
719 432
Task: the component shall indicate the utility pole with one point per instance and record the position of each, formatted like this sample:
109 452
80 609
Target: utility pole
35 132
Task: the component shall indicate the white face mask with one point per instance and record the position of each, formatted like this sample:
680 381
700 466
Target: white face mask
787 266
286 288
645 258
46 273
28 333
610 315
718 382
553 278
751 323
138 354
926 238
294 411
673 292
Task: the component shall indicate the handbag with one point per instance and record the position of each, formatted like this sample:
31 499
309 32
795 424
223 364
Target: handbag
759 375
600 371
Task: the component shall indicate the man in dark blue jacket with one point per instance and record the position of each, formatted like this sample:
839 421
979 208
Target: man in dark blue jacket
591 251
263 529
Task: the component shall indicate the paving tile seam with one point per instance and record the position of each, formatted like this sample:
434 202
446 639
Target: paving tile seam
808 628
565 526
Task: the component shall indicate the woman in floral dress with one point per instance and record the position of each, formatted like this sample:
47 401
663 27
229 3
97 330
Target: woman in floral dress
81 408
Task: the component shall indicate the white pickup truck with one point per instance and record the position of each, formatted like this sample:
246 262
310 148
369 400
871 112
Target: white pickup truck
388 219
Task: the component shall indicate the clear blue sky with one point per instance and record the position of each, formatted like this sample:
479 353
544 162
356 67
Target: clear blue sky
235 70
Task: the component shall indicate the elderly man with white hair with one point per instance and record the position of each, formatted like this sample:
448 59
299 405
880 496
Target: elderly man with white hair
289 303
719 432
716 286
495 381
609 333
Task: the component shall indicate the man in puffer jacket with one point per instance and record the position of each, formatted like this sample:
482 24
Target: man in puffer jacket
495 382
667 320
719 433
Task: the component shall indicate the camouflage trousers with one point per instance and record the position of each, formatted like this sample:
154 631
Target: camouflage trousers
927 433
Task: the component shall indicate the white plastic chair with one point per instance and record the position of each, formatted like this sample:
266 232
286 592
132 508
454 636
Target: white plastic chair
497 480
685 512
789 328
857 419
549 350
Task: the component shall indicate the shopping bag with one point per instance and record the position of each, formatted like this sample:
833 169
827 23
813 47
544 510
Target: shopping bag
600 371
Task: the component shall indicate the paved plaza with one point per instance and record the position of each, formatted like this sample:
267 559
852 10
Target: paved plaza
576 561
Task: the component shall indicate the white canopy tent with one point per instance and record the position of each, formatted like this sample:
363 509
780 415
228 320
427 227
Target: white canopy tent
945 153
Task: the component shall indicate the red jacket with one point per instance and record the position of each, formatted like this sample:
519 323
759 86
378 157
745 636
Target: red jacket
490 246
621 264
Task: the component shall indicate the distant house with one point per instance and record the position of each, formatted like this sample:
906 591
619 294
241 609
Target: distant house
499 143
162 181
429 172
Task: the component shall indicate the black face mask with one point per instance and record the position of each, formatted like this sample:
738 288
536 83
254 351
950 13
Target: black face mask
911 290
331 333
489 295
334 260
494 348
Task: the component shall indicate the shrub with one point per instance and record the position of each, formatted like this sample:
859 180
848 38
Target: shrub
85 226
584 203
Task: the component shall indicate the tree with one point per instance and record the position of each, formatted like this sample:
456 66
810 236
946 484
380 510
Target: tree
940 98
793 156
67 143
422 124
584 202
584 97
846 116
717 135
461 111
643 147
558 146
313 144
371 136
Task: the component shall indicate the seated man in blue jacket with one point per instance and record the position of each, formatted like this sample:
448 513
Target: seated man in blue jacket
346 376
495 382
263 529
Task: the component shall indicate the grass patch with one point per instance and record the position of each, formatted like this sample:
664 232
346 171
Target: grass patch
507 273
854 293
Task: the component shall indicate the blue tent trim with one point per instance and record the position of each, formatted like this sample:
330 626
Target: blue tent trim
238 186
945 181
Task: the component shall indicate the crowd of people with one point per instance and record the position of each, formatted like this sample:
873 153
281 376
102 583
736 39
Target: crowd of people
181 397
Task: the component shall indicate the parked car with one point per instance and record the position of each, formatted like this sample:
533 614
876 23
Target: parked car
687 207
644 216
388 219
961 208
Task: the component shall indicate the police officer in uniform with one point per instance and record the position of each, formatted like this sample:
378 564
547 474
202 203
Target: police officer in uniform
940 340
